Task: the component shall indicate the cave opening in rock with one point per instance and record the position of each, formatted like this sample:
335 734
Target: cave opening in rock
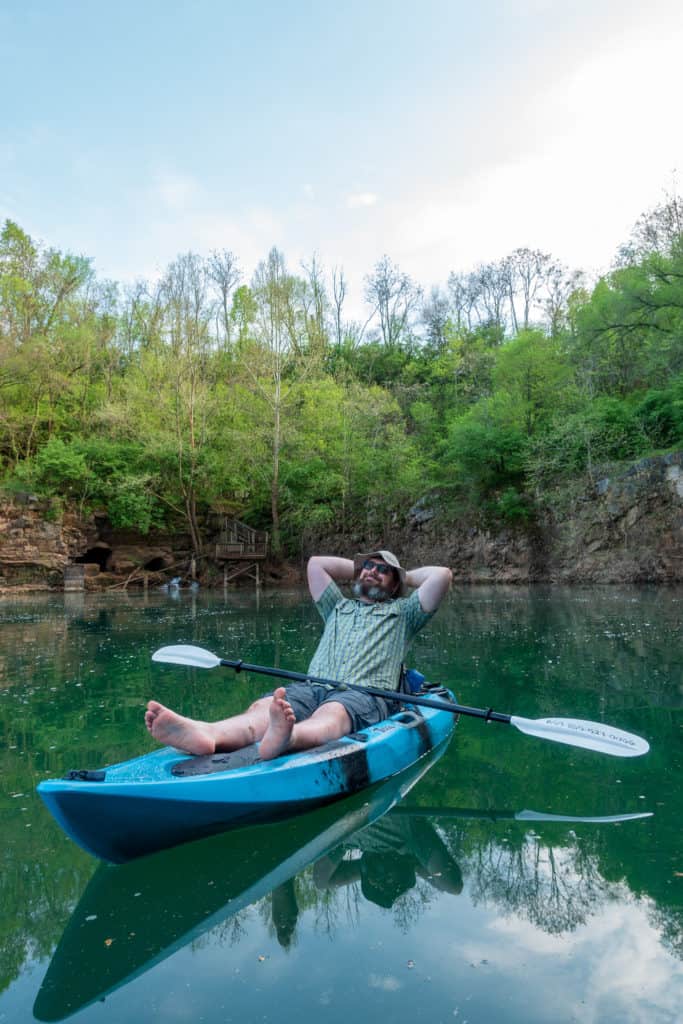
95 556
155 565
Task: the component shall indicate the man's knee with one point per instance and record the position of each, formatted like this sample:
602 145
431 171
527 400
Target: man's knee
332 719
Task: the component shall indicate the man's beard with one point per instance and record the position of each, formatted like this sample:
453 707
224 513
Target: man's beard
362 588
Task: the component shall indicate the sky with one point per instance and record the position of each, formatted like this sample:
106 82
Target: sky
442 133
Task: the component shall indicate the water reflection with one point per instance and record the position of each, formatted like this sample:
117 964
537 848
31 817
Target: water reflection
133 916
387 859
564 904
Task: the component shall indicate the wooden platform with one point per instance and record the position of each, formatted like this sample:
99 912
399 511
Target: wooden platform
238 542
241 549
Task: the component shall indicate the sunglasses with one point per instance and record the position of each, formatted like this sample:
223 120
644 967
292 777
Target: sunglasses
381 567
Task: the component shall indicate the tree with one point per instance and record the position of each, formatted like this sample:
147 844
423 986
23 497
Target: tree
490 287
267 363
45 337
435 316
223 271
657 231
532 373
630 333
463 292
394 298
561 284
315 305
170 397
139 321
243 313
525 271
339 287
484 451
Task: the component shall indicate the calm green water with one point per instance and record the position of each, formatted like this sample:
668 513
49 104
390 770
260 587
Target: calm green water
447 909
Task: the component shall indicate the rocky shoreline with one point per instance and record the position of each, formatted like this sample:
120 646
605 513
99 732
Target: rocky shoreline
625 526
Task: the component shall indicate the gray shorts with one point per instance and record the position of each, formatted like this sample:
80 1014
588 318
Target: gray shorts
362 708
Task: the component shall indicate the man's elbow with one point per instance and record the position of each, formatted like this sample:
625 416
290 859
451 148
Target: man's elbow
313 565
445 577
435 588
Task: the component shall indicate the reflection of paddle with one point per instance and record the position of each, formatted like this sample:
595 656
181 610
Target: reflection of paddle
135 915
452 812
577 733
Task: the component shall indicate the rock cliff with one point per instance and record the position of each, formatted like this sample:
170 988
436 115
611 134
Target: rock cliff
625 527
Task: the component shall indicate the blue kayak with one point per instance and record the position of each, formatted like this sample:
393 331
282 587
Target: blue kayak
125 923
167 797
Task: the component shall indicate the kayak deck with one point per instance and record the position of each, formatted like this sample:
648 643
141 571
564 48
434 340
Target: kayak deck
166 797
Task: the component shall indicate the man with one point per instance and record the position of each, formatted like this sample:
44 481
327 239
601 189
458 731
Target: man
364 641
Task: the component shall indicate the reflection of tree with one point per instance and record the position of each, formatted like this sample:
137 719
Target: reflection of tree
669 923
399 864
228 933
556 888
333 905
27 929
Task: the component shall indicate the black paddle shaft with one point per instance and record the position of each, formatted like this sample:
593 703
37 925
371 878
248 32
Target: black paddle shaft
374 691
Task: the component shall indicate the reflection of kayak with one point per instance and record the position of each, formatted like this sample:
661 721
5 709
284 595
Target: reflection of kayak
125 922
166 797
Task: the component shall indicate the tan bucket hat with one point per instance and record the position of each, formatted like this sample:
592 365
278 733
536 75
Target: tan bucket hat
385 556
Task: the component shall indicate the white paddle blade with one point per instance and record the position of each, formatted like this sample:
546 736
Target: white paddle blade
599 820
577 733
186 654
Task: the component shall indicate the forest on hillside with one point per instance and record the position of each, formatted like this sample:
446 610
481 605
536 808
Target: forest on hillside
162 401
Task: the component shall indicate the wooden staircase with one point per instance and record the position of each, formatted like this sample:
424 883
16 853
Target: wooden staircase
241 550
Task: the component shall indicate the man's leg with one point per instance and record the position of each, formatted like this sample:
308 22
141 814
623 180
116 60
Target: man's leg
328 722
196 737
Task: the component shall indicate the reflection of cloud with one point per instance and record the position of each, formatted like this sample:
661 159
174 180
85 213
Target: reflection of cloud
359 199
386 982
625 972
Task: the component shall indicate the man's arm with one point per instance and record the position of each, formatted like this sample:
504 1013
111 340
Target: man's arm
322 569
432 582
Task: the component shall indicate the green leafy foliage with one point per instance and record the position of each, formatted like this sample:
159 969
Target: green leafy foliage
605 430
661 415
161 402
485 449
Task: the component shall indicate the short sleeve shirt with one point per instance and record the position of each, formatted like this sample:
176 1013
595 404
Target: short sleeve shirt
365 643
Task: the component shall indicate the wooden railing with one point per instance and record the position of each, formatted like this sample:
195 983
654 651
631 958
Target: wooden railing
238 541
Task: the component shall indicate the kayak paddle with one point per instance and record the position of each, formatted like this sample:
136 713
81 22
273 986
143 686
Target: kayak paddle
574 731
528 815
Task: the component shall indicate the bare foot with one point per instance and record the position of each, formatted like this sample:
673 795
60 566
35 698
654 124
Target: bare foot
280 724
174 730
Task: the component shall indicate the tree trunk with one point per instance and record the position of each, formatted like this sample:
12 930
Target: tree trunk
275 483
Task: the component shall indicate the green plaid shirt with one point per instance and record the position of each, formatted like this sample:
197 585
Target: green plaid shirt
365 643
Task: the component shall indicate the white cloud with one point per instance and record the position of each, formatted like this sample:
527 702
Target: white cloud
357 200
176 191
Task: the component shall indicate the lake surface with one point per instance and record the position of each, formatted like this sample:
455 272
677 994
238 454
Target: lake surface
451 908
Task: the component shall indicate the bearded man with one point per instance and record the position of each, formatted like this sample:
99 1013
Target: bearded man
365 640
